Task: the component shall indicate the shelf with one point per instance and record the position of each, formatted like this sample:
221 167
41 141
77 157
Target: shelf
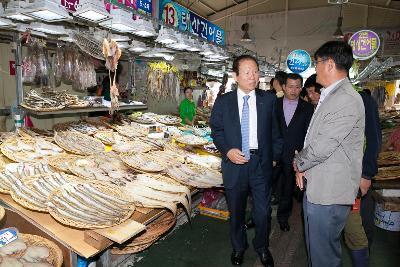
85 110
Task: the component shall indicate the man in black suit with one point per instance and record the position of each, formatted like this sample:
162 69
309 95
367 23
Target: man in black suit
294 116
245 131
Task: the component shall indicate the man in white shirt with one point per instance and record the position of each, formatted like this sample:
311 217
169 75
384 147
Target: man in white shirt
245 131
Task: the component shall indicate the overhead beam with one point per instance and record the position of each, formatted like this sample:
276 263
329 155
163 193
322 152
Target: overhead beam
207 6
233 10
233 1
221 14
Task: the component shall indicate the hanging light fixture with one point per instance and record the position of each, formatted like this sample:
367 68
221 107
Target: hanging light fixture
206 50
194 46
182 43
121 21
47 28
123 45
144 28
338 34
166 36
138 47
337 2
47 10
245 27
14 11
92 10
25 27
159 53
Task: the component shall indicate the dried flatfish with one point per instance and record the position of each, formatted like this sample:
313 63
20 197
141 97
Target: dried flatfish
191 175
143 162
192 140
168 119
105 167
78 143
28 149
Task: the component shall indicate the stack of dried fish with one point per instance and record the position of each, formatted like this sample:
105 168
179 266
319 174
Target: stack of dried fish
144 162
62 162
193 175
30 251
20 171
78 143
155 191
32 192
145 118
105 167
90 205
129 146
168 119
106 136
192 140
28 149
132 131
85 127
52 100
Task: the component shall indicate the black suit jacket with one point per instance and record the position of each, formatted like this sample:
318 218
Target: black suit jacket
226 133
373 137
294 134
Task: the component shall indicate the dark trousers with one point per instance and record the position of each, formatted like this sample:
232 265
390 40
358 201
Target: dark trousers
367 212
285 192
323 225
252 180
276 173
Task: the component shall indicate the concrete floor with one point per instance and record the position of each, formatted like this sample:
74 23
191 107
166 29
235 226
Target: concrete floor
206 243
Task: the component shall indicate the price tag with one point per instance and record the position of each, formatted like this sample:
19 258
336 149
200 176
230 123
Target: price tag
7 236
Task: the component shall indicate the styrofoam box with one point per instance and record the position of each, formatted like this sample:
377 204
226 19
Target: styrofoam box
387 220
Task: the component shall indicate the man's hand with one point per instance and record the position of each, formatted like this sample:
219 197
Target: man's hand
273 163
300 180
295 166
236 156
365 184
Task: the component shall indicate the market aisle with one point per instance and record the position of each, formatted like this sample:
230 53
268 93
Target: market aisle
205 243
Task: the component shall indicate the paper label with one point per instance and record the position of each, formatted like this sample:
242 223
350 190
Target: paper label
7 236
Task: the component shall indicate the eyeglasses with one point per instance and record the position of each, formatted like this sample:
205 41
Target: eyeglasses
318 61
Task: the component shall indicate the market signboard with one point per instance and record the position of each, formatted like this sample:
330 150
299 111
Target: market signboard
391 42
140 5
365 44
185 20
298 61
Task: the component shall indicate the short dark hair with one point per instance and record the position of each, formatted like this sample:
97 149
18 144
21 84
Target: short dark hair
294 76
340 52
271 83
312 82
236 62
280 76
187 88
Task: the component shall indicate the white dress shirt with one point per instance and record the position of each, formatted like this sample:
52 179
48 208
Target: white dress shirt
252 116
324 93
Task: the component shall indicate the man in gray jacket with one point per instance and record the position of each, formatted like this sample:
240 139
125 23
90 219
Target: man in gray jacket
329 166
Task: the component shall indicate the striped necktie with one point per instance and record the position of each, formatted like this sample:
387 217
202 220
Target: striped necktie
244 127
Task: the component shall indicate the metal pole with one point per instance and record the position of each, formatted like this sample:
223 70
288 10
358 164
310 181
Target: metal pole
16 111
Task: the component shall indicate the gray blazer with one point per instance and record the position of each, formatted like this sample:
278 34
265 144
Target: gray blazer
332 154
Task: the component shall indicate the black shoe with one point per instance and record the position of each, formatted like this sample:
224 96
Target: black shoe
237 257
285 227
266 259
250 224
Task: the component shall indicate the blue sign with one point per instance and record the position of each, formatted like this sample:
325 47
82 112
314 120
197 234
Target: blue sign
185 20
144 5
298 61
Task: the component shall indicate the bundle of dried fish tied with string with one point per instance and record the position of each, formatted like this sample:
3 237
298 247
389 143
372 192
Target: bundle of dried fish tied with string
90 205
195 175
